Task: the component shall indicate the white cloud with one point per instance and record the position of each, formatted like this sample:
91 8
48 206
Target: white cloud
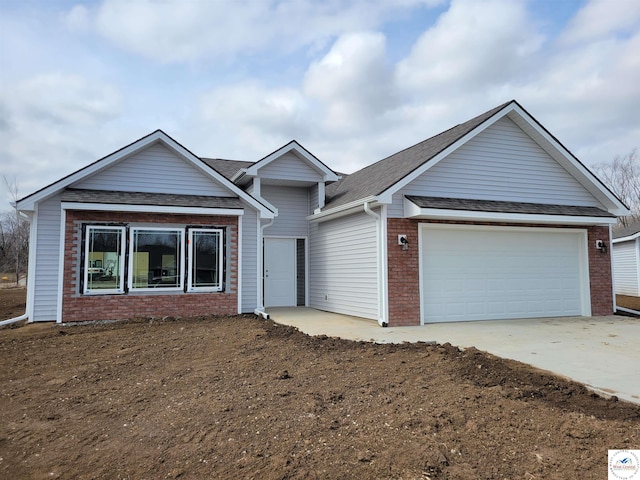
179 31
63 99
473 46
353 83
50 125
250 119
601 18
78 19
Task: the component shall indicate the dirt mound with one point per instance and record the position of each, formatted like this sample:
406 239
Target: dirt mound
243 398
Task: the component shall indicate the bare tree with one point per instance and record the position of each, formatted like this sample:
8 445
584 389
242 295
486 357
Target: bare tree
14 237
622 176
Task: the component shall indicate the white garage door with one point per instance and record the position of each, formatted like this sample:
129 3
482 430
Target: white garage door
489 273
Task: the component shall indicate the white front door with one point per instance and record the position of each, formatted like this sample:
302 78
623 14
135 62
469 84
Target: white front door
279 272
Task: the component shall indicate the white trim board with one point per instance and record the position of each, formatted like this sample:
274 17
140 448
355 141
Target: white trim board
120 207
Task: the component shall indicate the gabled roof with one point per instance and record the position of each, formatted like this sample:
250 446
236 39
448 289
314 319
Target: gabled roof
377 178
629 232
28 203
382 179
293 146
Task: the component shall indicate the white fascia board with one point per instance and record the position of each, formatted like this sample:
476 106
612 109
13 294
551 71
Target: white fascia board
473 216
388 193
327 173
565 158
626 239
341 210
111 207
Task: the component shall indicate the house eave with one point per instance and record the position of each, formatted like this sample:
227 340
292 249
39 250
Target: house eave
627 238
112 207
473 216
341 210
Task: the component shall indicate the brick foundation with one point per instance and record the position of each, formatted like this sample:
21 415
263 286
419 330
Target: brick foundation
404 280
78 307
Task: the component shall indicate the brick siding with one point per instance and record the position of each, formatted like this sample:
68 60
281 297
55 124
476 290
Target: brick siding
78 307
404 280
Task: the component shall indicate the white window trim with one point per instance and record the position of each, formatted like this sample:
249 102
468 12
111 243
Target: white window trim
181 262
85 273
190 286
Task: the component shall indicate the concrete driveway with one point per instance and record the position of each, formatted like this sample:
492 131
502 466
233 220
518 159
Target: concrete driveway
603 353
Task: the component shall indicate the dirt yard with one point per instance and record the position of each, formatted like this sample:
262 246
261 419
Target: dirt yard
244 398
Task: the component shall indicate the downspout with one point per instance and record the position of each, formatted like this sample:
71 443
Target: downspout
382 320
26 315
613 276
14 320
260 311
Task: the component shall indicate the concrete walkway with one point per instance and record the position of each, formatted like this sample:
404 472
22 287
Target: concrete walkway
603 353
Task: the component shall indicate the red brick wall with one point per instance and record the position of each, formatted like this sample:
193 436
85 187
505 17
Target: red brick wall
78 307
600 276
404 282
403 278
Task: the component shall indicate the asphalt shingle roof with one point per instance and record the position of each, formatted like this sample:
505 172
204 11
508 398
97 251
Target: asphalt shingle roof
506 207
227 168
376 178
152 199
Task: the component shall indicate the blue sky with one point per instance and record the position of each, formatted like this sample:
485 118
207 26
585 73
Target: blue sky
352 80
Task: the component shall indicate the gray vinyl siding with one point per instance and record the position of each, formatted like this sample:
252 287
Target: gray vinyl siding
47 261
343 275
293 207
154 169
625 268
501 163
249 260
313 198
290 167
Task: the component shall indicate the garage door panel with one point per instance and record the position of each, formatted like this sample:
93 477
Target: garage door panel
493 273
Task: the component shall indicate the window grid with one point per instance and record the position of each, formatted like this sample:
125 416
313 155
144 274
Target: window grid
152 259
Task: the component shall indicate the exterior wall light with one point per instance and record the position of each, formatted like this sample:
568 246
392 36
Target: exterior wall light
402 240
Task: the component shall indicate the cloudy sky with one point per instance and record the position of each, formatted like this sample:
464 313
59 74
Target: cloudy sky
352 80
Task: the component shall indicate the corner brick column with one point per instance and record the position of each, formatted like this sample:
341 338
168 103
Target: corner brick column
600 272
403 275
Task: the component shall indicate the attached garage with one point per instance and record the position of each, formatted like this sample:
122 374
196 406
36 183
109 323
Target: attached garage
470 272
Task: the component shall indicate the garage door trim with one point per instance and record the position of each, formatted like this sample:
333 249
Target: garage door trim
585 297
